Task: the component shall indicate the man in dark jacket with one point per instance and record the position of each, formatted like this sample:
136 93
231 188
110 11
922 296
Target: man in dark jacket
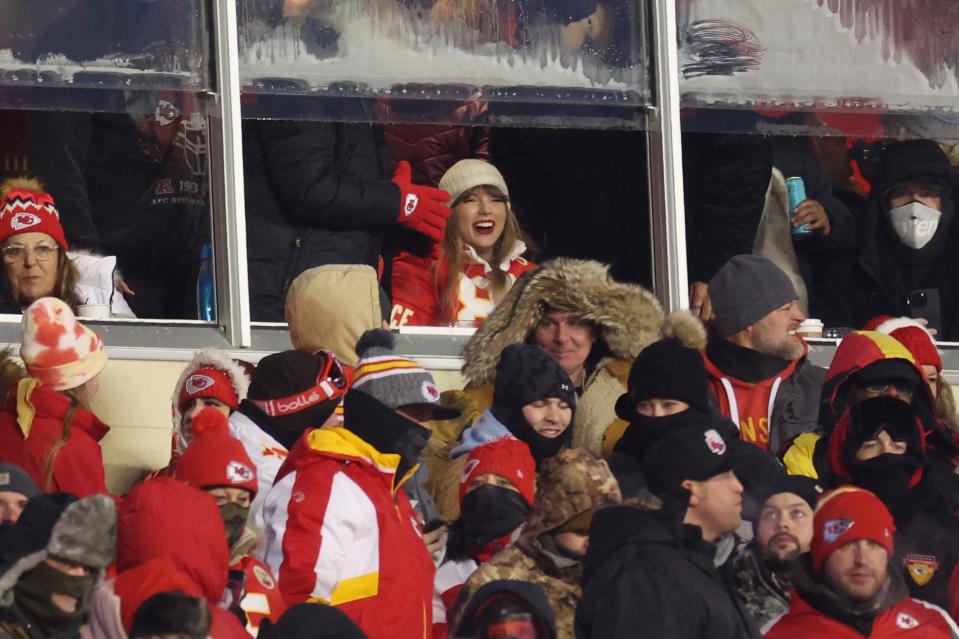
653 574
760 571
319 193
845 587
757 366
909 245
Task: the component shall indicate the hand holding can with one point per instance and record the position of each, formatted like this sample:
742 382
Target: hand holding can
796 194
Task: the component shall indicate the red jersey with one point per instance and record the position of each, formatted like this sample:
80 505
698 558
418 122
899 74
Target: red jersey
416 289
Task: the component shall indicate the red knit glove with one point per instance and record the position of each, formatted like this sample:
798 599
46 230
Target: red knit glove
422 208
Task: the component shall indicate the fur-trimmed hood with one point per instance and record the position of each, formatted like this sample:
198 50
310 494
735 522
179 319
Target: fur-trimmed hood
629 317
207 358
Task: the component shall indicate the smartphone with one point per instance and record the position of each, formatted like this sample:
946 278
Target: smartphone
924 303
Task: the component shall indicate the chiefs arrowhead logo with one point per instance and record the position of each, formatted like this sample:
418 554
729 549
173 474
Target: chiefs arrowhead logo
836 528
906 622
266 580
430 392
715 441
239 473
23 220
921 568
412 201
196 383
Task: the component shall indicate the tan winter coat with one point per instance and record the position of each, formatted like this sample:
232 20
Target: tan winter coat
627 316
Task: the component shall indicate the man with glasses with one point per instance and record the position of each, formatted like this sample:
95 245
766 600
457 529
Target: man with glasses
909 255
879 445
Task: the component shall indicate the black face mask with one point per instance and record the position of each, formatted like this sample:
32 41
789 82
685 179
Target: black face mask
488 513
234 520
385 430
33 595
644 431
540 447
887 476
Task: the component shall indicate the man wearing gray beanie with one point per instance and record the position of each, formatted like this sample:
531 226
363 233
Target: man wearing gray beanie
757 366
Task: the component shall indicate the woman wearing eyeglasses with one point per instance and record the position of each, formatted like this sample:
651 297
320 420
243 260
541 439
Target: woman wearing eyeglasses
35 259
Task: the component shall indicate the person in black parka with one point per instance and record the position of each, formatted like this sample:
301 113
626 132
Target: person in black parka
653 574
909 245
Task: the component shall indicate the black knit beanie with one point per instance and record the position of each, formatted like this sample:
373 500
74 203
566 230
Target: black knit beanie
665 370
286 374
526 373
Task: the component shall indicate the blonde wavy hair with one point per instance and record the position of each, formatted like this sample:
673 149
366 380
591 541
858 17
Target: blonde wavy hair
452 249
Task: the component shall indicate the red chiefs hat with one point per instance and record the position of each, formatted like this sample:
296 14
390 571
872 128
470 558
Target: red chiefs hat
914 337
510 459
208 383
26 208
848 514
216 458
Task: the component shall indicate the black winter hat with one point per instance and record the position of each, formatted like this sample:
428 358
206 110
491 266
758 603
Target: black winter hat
311 621
285 375
911 160
686 453
887 370
526 373
805 487
525 595
665 370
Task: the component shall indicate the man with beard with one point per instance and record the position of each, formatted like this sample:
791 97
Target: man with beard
757 366
760 571
844 588
878 445
339 528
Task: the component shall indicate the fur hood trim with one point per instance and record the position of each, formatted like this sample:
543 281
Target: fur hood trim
209 358
896 323
687 328
629 317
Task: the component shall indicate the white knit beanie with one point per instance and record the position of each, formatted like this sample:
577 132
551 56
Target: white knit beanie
468 174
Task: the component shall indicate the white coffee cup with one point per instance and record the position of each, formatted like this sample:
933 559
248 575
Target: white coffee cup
94 311
810 328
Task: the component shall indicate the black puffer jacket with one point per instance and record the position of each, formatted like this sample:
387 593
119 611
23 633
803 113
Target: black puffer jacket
879 279
316 193
649 575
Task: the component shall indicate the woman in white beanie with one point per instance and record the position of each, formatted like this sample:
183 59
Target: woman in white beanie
46 427
460 280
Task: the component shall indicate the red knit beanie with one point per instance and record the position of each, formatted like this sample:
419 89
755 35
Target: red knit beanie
216 458
26 208
848 514
208 383
914 337
510 459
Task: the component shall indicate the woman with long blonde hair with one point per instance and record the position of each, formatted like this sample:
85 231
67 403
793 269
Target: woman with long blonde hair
479 259
47 427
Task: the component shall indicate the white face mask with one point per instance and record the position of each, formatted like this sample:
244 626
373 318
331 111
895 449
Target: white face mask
915 223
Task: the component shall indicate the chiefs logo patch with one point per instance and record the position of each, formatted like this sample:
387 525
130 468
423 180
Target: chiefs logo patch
266 580
430 392
715 442
22 221
239 473
412 201
196 383
469 468
922 568
835 528
906 622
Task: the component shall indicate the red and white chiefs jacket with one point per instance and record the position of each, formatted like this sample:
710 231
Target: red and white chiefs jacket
909 619
267 455
261 598
341 531
416 289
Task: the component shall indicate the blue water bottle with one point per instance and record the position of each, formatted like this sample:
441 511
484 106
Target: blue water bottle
205 294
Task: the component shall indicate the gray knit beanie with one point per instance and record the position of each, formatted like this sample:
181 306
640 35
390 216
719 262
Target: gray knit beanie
14 479
746 289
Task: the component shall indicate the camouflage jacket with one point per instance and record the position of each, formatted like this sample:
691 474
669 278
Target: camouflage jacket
763 595
529 561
